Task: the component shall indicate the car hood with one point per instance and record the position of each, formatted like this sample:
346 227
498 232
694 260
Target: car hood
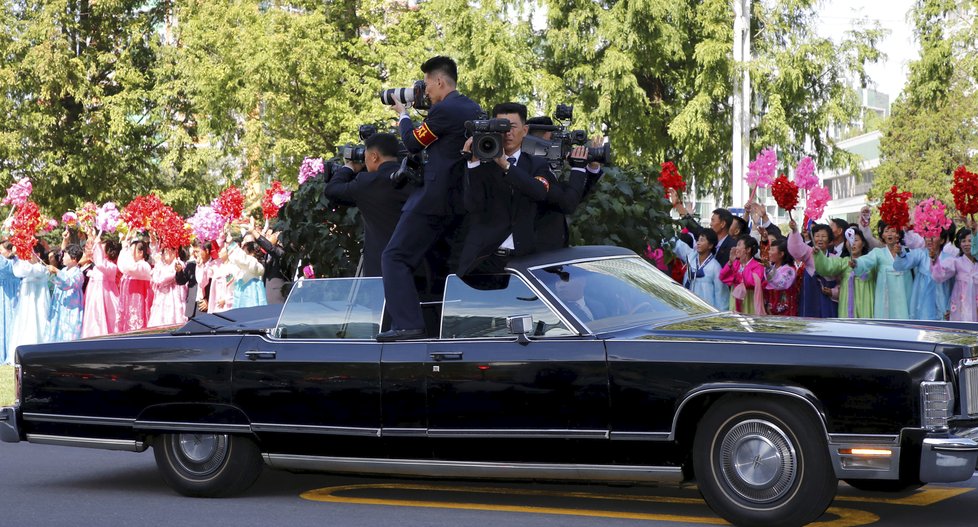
787 330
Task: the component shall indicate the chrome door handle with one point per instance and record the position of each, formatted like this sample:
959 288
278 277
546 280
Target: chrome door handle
446 355
260 355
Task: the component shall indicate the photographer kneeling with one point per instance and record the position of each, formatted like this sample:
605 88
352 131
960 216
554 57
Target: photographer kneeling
502 188
372 191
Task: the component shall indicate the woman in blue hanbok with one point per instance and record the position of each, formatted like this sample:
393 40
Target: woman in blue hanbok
893 288
65 320
248 288
31 316
702 270
928 299
9 287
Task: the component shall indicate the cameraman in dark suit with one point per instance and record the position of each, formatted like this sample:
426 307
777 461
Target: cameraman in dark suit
551 224
433 209
372 191
501 196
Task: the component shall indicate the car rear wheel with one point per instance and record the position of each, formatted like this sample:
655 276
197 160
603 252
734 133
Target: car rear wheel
207 465
763 462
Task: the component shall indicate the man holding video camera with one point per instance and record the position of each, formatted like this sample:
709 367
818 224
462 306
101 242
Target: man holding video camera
501 192
372 191
551 223
433 209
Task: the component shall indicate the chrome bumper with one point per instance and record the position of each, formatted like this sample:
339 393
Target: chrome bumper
8 425
947 459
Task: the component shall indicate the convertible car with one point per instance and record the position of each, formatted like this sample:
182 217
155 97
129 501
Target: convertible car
584 364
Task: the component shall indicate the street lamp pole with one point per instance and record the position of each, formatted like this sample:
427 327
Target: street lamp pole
741 102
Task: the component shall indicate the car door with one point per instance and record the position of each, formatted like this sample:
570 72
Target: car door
314 383
493 398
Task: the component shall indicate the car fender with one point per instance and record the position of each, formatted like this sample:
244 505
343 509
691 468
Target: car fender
715 390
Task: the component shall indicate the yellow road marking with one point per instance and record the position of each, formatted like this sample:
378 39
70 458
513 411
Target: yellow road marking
846 517
922 498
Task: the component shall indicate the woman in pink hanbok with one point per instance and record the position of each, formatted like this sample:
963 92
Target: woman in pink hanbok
964 270
169 298
746 278
102 295
135 293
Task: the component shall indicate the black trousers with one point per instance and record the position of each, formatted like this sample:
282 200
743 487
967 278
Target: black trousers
413 237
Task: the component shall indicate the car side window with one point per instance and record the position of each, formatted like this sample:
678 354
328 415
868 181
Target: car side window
333 308
478 307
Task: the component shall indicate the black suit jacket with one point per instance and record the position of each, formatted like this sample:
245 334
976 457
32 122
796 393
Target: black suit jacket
188 277
442 134
563 199
722 249
501 204
380 205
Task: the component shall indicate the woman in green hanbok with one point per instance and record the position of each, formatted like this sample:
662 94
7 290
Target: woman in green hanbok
856 291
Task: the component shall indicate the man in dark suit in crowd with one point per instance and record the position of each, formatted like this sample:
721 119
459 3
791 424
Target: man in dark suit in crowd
435 208
372 191
551 224
720 222
501 196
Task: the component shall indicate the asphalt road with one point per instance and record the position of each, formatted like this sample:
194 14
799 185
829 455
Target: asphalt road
58 486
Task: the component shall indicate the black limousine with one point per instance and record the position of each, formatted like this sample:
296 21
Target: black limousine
583 364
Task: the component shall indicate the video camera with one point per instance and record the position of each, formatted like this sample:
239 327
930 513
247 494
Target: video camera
487 137
563 141
413 96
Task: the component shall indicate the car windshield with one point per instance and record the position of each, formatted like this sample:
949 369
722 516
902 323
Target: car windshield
619 292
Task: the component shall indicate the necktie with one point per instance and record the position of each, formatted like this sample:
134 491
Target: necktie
512 161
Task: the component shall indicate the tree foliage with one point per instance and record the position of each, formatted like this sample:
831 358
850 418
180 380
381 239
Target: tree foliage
113 98
931 129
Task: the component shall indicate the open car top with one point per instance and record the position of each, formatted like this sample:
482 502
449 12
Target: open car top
242 320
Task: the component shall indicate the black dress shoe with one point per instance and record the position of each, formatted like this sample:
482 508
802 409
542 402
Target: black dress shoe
392 335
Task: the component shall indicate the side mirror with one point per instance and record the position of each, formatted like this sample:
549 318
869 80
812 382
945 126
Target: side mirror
275 333
520 325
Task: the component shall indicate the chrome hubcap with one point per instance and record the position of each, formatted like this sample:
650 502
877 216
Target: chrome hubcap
198 447
199 455
758 461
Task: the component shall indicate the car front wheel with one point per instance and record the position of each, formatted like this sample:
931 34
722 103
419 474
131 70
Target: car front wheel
763 462
207 465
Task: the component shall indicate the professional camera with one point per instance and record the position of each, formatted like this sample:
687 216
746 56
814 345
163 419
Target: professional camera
351 152
487 137
563 141
365 131
411 171
413 96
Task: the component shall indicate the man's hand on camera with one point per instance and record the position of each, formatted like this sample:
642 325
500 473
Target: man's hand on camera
353 165
578 157
467 149
503 162
399 108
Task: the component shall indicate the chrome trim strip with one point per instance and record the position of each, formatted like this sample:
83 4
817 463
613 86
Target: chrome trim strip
197 427
313 429
403 432
517 433
468 469
640 436
580 323
689 396
865 439
127 445
583 260
78 419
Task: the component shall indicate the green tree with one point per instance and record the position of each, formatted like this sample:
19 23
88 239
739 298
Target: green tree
656 77
83 116
931 129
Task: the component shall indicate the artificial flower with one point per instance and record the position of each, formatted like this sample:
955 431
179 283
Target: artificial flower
18 193
760 171
785 193
311 167
895 209
671 178
818 198
805 176
930 218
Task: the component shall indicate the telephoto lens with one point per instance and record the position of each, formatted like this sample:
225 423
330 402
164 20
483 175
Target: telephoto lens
599 154
413 96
